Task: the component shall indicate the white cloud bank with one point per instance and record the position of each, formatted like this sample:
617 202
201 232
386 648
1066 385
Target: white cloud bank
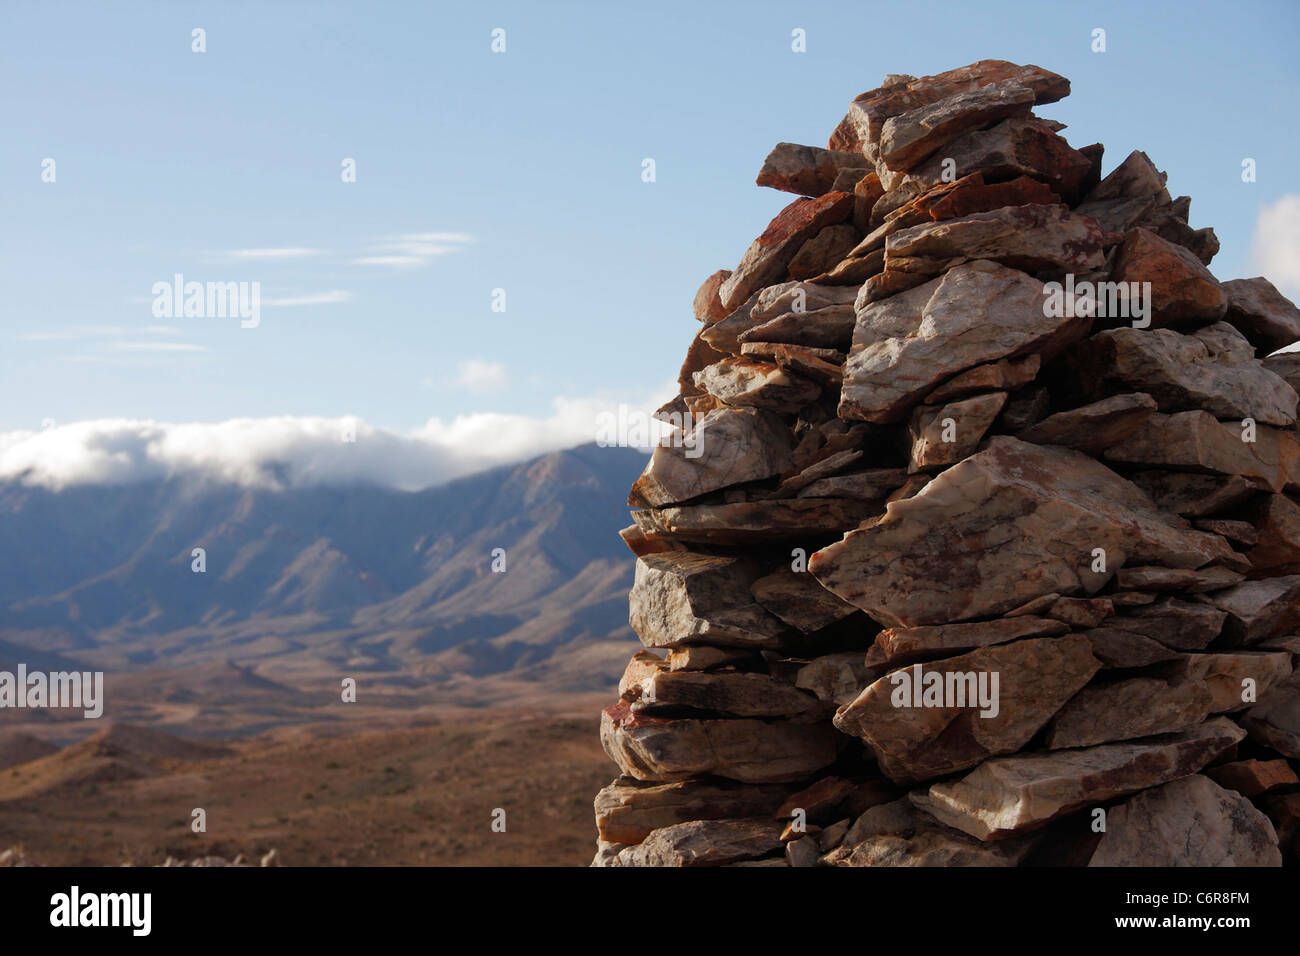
295 452
1275 247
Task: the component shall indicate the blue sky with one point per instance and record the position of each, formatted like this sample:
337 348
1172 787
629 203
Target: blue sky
518 170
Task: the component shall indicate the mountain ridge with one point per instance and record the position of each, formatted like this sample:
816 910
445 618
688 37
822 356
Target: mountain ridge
318 579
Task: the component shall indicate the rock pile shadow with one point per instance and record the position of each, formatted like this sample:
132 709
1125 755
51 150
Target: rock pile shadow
977 540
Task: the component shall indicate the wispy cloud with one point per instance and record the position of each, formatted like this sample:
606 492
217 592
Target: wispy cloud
316 298
413 249
280 252
157 347
389 261
478 375
456 238
79 332
97 359
398 251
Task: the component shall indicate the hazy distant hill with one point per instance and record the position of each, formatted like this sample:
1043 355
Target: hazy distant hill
310 581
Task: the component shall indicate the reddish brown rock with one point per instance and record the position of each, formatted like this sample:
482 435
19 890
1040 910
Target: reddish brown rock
831 327
823 251
728 446
708 305
1123 599
1265 316
1007 795
746 383
627 811
821 803
977 313
1025 408
836 677
1241 532
679 597
1277 547
701 657
1032 238
705 843
1189 822
1197 441
1127 709
874 485
996 376
984 197
944 435
970 716
853 271
1251 778
750 751
799 297
698 355
1081 612
1094 427
1182 290
639 670
866 193
1285 365
1235 681
1185 580
899 645
942 555
1269 607
825 366
1213 369
1173 622
730 693
867 114
766 260
1128 195
753 522
1134 178
804 170
816 471
1118 649
1275 720
1191 495
1014 147
797 599
898 834
910 137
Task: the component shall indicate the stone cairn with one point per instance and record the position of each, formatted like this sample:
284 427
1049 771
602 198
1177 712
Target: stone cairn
979 541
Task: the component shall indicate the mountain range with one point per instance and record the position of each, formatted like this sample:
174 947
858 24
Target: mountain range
314 582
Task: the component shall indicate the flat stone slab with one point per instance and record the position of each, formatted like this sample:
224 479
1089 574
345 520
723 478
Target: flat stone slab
905 346
1188 822
926 720
751 751
1009 524
1007 795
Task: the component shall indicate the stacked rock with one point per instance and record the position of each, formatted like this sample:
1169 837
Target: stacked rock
979 540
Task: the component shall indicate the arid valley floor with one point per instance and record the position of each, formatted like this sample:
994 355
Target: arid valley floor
411 778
